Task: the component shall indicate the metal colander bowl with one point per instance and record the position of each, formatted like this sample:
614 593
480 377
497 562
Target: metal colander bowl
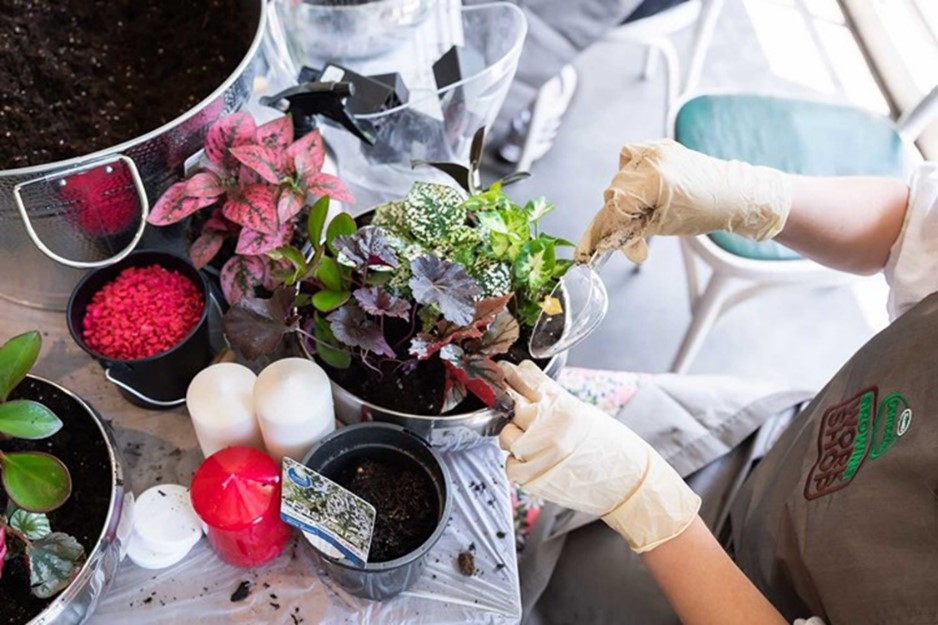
59 219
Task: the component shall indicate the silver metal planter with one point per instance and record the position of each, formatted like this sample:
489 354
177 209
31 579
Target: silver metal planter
446 433
40 236
76 603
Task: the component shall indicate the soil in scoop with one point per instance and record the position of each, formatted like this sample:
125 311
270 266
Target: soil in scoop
404 498
418 391
80 446
84 75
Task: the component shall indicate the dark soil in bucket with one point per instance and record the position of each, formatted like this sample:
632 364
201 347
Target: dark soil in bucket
84 75
417 391
80 445
404 498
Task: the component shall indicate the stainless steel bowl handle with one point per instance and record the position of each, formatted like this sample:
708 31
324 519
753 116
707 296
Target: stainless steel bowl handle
141 196
156 402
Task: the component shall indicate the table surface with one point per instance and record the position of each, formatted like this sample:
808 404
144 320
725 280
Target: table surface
160 447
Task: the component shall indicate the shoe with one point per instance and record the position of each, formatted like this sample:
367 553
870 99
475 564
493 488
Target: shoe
533 131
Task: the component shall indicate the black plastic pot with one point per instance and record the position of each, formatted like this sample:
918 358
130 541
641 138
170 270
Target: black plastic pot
159 381
381 580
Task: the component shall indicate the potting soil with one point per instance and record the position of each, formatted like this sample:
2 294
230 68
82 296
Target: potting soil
405 503
84 75
80 446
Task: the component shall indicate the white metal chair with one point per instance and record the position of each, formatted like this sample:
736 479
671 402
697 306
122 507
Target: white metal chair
839 141
652 32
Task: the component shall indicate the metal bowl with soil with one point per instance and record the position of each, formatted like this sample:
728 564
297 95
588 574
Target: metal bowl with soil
92 514
107 100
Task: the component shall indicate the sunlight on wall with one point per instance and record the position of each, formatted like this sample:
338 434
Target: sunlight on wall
809 43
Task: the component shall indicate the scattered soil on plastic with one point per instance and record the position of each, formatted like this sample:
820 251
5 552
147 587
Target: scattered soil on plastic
85 75
241 592
466 563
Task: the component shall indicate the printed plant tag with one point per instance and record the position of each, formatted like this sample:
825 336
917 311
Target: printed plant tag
326 512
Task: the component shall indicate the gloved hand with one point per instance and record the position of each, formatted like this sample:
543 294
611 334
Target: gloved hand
664 188
574 455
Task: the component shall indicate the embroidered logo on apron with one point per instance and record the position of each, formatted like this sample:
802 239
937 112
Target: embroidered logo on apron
850 433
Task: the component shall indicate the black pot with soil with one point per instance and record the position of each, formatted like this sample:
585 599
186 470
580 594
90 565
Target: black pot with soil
91 514
406 481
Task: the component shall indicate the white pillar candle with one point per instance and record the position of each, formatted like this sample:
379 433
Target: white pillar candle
293 403
220 400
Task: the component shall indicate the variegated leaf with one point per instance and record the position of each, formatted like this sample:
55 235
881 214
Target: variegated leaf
322 184
205 248
204 184
307 154
289 205
240 275
260 159
276 134
253 243
171 207
255 208
229 132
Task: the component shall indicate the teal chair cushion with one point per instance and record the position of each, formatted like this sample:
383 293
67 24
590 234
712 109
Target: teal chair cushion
797 136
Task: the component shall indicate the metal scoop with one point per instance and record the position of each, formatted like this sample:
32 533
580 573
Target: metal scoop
578 304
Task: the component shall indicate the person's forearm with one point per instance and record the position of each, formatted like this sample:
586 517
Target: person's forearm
845 223
703 584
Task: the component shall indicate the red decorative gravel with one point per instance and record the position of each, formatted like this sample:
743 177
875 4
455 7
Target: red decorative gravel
141 313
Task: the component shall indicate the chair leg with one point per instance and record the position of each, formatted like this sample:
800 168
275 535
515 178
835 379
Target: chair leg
704 316
651 63
690 268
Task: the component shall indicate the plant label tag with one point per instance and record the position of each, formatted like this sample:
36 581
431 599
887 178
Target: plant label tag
335 520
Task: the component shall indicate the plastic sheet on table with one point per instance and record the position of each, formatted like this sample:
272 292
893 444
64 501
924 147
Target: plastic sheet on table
291 591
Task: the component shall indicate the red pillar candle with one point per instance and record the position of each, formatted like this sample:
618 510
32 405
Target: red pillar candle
236 492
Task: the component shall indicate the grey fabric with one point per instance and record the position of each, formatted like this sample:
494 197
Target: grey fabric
558 30
840 520
575 570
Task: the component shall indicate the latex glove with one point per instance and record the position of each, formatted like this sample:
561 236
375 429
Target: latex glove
574 455
664 188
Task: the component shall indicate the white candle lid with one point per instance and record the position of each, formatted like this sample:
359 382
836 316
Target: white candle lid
287 390
164 521
222 393
146 558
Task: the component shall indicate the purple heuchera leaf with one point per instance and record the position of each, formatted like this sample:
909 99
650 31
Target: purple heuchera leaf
229 132
260 159
307 154
352 327
254 208
205 248
240 275
376 301
366 247
445 284
321 184
254 243
256 326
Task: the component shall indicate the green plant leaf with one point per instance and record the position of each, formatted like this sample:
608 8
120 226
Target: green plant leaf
333 356
54 560
316 221
538 208
23 418
557 241
340 224
35 481
535 264
32 525
327 301
17 357
329 274
294 257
